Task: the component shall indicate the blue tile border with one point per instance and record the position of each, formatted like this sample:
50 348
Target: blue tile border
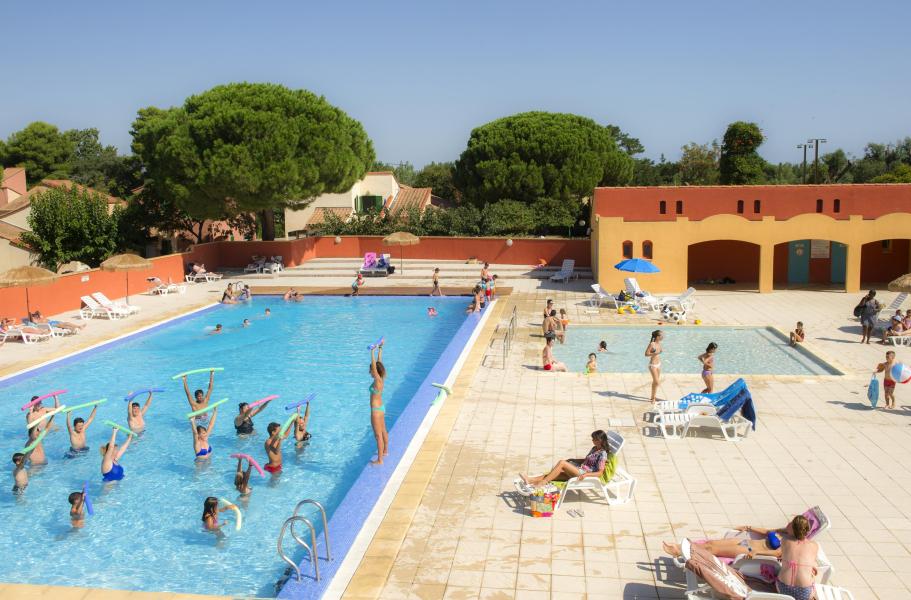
350 515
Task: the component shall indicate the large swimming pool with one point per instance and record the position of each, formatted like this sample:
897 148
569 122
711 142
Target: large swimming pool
146 533
741 351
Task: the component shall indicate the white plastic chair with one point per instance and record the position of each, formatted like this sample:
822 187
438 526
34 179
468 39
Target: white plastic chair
103 300
618 490
566 271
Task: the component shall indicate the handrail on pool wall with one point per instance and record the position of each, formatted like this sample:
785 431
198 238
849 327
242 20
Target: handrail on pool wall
311 551
325 525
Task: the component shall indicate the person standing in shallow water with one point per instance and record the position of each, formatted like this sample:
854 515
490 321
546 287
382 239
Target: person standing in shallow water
377 409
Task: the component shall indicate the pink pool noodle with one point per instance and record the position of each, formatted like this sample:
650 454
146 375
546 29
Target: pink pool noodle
40 398
252 462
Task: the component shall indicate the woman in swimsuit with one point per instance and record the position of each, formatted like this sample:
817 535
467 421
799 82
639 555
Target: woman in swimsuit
201 445
654 363
243 422
301 435
210 512
377 410
110 454
547 308
707 359
595 462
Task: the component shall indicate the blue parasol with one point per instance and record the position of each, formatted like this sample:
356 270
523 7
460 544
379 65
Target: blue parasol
636 265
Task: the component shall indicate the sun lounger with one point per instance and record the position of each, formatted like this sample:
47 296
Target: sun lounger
27 337
199 272
566 271
883 323
726 417
684 302
48 328
642 298
93 309
713 398
600 297
617 490
103 300
373 266
256 266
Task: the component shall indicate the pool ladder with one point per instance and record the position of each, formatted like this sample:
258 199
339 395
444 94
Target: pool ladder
311 548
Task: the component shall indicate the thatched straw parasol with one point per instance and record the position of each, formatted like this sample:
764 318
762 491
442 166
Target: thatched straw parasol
26 276
126 262
401 238
902 284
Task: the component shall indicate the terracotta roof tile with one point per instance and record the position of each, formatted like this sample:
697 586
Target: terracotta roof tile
409 197
11 233
319 214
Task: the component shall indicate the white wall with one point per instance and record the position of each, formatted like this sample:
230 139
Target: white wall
13 256
374 185
19 219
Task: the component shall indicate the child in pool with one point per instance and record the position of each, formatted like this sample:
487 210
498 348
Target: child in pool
77 433
197 399
20 474
36 456
77 509
110 454
242 478
273 447
36 411
431 311
201 446
602 347
210 512
592 365
564 320
301 434
136 416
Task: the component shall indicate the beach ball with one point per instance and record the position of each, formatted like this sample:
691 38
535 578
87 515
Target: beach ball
901 373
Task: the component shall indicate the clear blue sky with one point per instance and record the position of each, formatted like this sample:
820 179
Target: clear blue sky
421 75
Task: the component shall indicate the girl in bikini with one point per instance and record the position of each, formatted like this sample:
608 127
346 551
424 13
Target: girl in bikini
654 363
377 410
201 445
210 512
707 359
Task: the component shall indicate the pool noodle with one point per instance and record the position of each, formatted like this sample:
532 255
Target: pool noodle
35 442
86 500
376 343
190 415
306 400
31 403
442 387
262 400
194 371
47 415
84 405
240 518
252 461
287 424
111 423
132 395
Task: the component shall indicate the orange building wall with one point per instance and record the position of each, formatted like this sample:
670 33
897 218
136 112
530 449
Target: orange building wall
879 267
724 258
780 201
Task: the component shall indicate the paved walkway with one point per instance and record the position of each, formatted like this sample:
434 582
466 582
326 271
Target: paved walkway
817 444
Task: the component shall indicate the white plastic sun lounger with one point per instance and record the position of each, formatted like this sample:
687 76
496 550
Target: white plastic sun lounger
618 490
685 301
93 309
600 298
106 302
675 425
566 271
633 289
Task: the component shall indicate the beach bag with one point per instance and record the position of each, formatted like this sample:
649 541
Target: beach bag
873 391
858 309
726 582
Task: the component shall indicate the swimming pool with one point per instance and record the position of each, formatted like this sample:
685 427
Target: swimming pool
741 351
146 533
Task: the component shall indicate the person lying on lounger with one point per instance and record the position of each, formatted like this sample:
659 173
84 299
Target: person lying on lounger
37 317
595 462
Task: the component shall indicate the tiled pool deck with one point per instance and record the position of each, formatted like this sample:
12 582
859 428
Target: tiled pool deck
453 530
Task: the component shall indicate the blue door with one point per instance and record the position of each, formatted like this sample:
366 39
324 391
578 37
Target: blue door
839 260
799 261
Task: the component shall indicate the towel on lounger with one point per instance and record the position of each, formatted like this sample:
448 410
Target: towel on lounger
743 403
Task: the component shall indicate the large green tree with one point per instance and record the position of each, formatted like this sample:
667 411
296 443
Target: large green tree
698 164
539 155
42 149
901 173
439 177
508 217
68 224
740 163
250 147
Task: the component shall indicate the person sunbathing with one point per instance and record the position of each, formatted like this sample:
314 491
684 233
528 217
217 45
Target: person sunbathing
594 464
37 317
900 326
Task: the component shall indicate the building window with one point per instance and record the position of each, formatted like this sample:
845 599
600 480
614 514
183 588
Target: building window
679 207
836 205
757 206
627 249
819 205
364 204
662 207
740 207
647 249
886 246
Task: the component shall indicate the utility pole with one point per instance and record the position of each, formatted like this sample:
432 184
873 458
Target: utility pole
817 141
803 175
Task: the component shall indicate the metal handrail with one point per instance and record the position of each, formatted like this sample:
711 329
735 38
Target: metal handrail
325 524
310 550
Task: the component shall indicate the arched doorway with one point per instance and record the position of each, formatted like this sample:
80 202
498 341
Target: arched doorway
723 261
884 260
810 262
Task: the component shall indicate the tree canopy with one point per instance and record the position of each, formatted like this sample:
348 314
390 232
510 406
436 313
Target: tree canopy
539 155
740 163
70 224
439 177
42 149
250 147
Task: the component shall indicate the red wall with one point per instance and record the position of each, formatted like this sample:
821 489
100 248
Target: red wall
724 258
780 201
63 294
879 267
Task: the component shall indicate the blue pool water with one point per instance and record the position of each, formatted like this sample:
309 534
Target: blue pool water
146 533
741 351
